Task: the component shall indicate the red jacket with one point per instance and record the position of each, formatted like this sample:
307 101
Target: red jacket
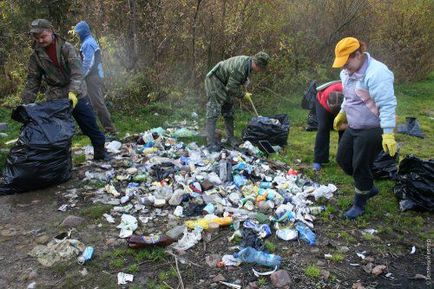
323 95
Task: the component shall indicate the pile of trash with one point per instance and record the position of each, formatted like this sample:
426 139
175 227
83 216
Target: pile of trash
155 177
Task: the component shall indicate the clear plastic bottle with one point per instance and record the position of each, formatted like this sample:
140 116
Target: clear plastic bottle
251 255
305 233
225 169
136 241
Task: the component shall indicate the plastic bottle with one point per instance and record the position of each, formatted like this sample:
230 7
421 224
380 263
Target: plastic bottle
149 241
204 222
305 233
265 185
251 255
86 255
316 210
225 169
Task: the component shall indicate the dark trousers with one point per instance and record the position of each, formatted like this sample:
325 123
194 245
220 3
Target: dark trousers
94 90
322 140
356 153
85 117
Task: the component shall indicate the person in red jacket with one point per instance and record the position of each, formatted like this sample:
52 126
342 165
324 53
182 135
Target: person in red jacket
328 103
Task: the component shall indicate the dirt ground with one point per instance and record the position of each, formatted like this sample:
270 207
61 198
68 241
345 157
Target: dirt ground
32 218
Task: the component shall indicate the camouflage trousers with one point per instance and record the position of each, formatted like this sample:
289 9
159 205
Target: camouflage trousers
219 102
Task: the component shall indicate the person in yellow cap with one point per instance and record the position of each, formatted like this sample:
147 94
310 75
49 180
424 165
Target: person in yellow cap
369 110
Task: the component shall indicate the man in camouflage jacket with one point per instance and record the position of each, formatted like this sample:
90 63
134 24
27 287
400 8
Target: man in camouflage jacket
56 62
223 84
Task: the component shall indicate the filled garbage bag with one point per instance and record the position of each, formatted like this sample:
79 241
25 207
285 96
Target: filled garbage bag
309 97
411 127
312 121
415 184
42 155
385 166
273 129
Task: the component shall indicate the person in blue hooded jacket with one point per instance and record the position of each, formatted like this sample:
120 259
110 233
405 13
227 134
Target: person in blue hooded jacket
93 74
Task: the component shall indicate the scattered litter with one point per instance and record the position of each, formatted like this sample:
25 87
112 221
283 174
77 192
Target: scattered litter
57 250
124 278
157 179
189 239
231 285
86 255
114 146
369 231
362 255
109 218
257 274
128 225
413 250
63 208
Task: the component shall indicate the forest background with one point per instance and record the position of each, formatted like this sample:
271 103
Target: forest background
153 49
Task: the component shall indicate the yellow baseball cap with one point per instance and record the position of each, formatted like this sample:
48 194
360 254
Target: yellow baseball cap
343 49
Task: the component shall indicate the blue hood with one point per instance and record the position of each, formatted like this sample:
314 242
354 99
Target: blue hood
82 29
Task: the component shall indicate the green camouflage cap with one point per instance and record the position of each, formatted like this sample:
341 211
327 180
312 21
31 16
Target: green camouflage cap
39 25
261 59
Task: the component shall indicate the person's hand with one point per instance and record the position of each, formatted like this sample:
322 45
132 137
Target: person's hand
340 119
248 97
389 144
73 98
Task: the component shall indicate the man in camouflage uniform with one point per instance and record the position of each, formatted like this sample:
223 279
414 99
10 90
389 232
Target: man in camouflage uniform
56 62
223 84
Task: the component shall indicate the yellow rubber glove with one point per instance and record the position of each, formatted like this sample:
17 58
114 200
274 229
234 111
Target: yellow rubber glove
248 97
389 144
339 120
73 98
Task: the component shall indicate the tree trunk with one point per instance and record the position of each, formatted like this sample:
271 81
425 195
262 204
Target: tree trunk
193 41
132 35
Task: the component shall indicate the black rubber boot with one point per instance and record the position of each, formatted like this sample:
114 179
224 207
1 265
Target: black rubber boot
229 126
373 192
100 154
358 207
213 146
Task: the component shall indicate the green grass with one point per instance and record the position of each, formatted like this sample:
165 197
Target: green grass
117 263
337 257
312 271
262 281
271 247
95 211
152 254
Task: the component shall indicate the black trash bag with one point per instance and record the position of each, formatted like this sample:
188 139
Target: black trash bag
251 239
309 97
312 121
415 184
273 129
385 166
42 155
412 127
163 170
